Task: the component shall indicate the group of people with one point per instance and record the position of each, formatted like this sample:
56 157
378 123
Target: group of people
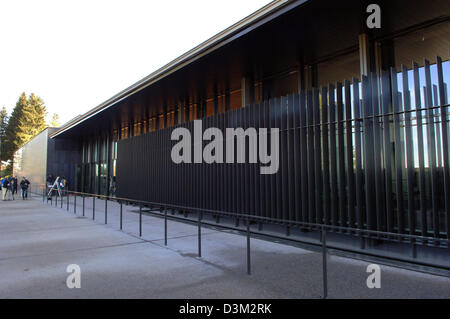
9 185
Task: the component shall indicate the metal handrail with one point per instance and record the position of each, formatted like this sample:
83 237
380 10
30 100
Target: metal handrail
362 233
367 233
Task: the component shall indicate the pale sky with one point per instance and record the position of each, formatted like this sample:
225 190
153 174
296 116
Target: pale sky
77 54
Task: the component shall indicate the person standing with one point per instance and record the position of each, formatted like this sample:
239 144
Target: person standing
4 182
24 184
14 185
9 193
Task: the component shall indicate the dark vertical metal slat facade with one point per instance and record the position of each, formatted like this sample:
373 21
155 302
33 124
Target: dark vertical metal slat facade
284 159
257 180
420 150
409 151
369 165
197 175
303 158
273 213
398 152
293 151
311 163
297 159
332 159
445 151
377 152
251 165
358 154
233 168
386 105
345 153
317 157
341 155
254 189
431 147
349 155
218 167
278 177
262 179
211 176
267 178
245 165
436 112
326 158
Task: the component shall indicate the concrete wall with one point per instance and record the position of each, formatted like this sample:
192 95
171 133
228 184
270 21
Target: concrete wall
31 159
42 156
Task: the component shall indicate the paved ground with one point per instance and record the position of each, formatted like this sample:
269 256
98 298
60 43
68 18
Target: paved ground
38 242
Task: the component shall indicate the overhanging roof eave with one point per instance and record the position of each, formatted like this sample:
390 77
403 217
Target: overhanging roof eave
254 20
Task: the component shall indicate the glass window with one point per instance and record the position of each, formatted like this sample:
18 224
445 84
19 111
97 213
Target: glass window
425 43
338 69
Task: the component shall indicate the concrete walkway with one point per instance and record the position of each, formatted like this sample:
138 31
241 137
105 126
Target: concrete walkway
38 242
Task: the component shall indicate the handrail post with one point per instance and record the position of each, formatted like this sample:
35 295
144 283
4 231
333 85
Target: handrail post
324 263
248 248
106 210
83 204
140 220
165 226
121 217
200 234
93 207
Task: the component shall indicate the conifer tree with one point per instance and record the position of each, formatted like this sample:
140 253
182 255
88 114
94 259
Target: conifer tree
33 120
26 121
3 124
10 144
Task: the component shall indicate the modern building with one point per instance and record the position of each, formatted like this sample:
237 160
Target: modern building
362 113
42 156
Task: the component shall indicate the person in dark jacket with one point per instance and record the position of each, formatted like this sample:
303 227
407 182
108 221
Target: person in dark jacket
9 193
24 184
4 182
15 184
